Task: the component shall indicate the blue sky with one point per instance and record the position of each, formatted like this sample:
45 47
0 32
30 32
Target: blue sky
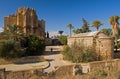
59 13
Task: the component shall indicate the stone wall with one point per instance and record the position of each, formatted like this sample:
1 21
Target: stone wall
55 48
102 44
25 74
87 41
116 55
92 66
104 48
64 72
2 73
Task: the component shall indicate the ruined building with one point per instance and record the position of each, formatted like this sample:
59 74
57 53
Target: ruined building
27 20
100 42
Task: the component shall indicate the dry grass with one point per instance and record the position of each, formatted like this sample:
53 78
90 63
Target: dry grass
30 59
3 61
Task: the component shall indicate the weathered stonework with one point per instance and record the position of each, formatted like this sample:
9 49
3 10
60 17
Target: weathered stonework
27 19
101 43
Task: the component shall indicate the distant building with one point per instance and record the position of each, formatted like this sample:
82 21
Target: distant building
102 44
27 19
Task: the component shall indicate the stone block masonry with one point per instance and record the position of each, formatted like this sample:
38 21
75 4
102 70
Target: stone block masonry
28 21
2 73
24 74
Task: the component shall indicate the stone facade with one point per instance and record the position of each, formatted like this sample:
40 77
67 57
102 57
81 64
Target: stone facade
27 19
101 43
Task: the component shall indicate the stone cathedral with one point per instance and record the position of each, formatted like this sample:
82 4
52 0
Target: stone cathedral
27 20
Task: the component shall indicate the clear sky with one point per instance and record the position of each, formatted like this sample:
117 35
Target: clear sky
59 13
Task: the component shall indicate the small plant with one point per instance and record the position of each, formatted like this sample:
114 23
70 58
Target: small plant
100 74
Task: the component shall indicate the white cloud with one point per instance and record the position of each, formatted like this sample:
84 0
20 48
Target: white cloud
1 29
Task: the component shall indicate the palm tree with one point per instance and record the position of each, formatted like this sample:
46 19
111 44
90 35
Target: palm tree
60 32
97 24
115 25
70 26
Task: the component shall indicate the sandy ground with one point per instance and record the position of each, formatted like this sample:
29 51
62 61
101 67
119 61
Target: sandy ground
52 61
55 60
17 67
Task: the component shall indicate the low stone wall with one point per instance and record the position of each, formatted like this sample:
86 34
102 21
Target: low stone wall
92 66
55 48
108 64
116 55
2 73
25 74
64 72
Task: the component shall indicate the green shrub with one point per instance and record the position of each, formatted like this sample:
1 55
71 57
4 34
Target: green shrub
101 73
79 53
25 46
10 49
63 39
35 46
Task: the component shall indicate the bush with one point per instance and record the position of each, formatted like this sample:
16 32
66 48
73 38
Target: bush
63 39
102 74
79 53
25 46
35 46
10 49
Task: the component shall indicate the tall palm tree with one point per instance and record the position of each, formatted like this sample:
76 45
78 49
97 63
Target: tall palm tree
70 26
97 24
115 25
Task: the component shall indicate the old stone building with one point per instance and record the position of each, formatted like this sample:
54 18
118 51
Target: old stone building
102 44
28 21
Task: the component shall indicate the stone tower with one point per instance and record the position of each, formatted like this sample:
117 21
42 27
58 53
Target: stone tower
27 19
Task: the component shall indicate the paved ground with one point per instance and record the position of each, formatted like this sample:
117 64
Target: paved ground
17 67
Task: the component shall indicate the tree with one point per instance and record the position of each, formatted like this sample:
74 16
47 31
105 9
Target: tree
107 31
77 31
63 39
60 32
70 26
96 24
113 20
35 45
48 35
84 28
13 31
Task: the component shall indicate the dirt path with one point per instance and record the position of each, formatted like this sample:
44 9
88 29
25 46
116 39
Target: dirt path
17 67
55 60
